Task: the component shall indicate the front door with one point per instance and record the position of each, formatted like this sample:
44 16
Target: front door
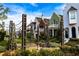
73 32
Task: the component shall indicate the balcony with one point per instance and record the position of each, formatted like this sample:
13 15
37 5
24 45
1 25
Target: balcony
54 26
41 29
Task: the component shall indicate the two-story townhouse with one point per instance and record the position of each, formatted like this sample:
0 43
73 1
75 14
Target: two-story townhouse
41 23
54 24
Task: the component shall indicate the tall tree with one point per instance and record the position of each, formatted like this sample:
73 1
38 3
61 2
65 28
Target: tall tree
3 13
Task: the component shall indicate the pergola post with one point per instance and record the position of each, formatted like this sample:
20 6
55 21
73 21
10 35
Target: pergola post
23 32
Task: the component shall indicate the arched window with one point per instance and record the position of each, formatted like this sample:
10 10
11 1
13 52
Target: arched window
73 32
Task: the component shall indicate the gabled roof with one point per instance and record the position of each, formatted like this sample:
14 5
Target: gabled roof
72 8
55 16
42 22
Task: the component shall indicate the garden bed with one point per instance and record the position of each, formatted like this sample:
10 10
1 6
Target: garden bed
65 51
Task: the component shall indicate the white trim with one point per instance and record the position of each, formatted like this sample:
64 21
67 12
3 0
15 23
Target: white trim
71 21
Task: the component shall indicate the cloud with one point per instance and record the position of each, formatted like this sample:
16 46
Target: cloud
59 9
34 4
16 16
17 11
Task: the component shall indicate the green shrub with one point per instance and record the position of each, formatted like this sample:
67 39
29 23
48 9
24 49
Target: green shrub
70 51
44 52
41 52
57 53
53 44
29 35
54 40
2 48
42 36
25 53
18 52
42 44
71 43
3 43
2 35
34 52
19 40
65 51
22 53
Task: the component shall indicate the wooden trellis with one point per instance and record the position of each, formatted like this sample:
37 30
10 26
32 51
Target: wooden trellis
11 41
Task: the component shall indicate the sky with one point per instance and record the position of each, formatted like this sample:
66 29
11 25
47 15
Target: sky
32 10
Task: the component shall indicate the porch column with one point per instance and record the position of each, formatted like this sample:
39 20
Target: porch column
70 32
53 32
77 35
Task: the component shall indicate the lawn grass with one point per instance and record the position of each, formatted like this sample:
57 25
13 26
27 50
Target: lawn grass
3 43
68 49
18 41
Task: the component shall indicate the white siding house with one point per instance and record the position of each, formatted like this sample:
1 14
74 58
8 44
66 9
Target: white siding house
71 21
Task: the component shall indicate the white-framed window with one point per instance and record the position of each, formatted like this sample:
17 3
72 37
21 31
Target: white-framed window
72 15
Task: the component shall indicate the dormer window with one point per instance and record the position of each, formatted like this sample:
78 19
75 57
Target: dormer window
72 15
